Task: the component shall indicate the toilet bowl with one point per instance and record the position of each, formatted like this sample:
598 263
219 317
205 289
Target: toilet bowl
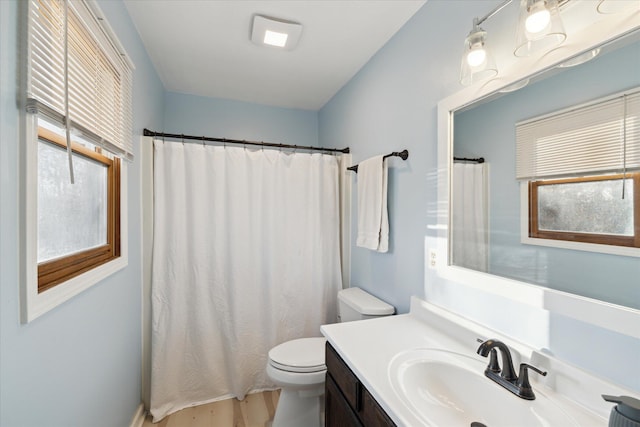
298 367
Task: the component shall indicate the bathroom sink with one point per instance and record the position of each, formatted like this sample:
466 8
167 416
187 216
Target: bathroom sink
443 388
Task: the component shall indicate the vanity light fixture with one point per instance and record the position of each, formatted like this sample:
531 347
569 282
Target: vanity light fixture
275 32
477 61
539 27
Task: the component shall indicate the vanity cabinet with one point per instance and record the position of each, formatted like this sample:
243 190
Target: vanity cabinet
347 401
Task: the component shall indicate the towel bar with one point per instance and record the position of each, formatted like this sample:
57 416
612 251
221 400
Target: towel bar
404 155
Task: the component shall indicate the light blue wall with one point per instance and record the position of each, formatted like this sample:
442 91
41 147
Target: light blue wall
390 105
489 131
196 115
79 364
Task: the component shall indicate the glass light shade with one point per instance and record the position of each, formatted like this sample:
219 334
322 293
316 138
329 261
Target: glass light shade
580 59
539 27
477 61
515 86
615 6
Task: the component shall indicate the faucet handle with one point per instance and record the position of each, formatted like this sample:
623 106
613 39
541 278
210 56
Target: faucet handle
525 366
524 387
493 362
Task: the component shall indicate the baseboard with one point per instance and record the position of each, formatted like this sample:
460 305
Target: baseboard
138 417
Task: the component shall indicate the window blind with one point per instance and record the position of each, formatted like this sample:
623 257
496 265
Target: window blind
599 137
100 76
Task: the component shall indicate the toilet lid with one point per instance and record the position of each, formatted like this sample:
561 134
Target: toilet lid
301 355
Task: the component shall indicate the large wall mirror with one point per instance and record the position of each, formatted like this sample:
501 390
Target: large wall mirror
481 123
487 209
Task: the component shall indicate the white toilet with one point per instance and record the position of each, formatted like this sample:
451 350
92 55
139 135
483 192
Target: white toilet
298 365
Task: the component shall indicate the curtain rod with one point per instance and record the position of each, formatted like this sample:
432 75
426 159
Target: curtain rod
404 155
147 132
465 159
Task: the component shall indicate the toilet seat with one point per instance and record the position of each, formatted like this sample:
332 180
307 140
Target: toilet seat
303 355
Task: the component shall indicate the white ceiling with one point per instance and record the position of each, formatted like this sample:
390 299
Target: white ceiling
203 47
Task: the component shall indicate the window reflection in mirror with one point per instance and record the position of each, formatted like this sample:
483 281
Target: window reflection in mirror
599 209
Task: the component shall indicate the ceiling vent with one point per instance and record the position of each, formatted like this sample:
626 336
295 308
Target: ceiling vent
275 32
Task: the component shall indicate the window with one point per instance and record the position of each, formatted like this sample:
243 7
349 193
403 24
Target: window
574 166
78 224
78 130
588 209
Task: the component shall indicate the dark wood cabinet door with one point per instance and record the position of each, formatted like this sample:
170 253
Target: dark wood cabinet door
337 411
347 402
346 381
372 414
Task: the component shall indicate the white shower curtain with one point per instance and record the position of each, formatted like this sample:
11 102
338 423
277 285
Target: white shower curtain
469 225
246 255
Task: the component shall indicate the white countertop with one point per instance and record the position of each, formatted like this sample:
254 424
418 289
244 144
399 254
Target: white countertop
368 346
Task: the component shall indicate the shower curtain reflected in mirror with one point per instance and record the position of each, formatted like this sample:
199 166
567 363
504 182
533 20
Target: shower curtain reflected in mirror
246 255
469 234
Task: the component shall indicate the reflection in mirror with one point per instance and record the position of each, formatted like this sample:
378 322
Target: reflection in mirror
486 223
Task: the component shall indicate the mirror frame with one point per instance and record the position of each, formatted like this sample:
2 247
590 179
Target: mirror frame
614 317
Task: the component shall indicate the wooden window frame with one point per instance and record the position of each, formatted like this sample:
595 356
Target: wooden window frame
603 239
59 270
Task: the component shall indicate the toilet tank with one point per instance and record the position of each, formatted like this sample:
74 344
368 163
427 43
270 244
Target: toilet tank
356 304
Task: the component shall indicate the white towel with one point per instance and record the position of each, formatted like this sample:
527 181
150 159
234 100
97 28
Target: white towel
373 219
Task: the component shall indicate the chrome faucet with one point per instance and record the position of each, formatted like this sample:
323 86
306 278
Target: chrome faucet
506 377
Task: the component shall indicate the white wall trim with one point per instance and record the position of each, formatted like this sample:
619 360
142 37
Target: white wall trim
34 304
138 417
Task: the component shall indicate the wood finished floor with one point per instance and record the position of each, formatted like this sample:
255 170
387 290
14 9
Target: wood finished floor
256 410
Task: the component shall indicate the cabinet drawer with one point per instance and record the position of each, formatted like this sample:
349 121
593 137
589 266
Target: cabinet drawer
344 378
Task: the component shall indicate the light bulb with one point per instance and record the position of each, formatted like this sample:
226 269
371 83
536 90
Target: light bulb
476 56
538 19
540 27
